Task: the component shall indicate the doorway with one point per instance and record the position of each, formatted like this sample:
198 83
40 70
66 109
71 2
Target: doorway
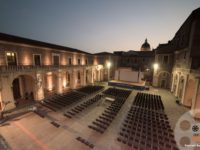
163 83
23 89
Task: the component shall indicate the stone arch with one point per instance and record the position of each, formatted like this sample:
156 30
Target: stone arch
189 93
23 88
163 79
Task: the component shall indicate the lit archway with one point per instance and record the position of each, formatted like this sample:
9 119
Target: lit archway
23 87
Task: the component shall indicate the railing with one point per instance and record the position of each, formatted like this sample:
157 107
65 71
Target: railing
8 69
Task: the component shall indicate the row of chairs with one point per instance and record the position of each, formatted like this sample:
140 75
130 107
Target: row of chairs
146 129
84 141
79 108
149 101
59 101
106 118
117 92
90 89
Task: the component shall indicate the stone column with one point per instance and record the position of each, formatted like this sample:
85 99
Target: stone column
92 77
194 99
177 86
172 86
73 79
98 75
59 82
7 92
184 88
39 95
83 77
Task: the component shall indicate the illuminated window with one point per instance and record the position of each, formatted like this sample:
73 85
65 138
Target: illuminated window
11 58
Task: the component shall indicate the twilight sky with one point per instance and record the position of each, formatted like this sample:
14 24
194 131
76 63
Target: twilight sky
96 25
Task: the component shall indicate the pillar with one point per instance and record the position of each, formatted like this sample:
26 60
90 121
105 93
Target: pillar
184 88
99 75
7 92
49 80
83 77
172 86
73 79
92 77
39 95
177 86
59 88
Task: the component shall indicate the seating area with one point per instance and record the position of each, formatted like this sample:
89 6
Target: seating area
149 101
81 107
144 128
117 93
105 119
90 89
84 141
60 101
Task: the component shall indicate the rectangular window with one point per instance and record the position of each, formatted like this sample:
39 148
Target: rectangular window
165 59
11 58
56 59
86 62
70 61
37 59
79 61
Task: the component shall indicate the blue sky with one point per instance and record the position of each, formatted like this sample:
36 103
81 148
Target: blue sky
96 25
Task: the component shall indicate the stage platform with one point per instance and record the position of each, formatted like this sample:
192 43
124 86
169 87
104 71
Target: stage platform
129 85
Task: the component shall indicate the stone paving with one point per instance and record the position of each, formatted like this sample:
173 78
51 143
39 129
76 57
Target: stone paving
30 131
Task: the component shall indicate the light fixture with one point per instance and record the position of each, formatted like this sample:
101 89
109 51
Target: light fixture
108 64
155 66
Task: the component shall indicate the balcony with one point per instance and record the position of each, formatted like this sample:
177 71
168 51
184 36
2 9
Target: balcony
29 68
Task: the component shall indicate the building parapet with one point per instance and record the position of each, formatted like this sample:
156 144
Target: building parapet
28 68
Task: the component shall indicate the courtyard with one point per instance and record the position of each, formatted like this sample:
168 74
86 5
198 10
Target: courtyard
54 131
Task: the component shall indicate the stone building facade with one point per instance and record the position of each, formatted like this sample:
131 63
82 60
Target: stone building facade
30 68
179 63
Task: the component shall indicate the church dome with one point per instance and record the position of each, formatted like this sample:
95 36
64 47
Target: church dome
145 46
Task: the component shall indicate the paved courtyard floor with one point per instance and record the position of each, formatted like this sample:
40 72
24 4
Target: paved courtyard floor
32 132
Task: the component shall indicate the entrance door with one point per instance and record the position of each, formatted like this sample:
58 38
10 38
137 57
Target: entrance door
163 83
16 89
37 60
